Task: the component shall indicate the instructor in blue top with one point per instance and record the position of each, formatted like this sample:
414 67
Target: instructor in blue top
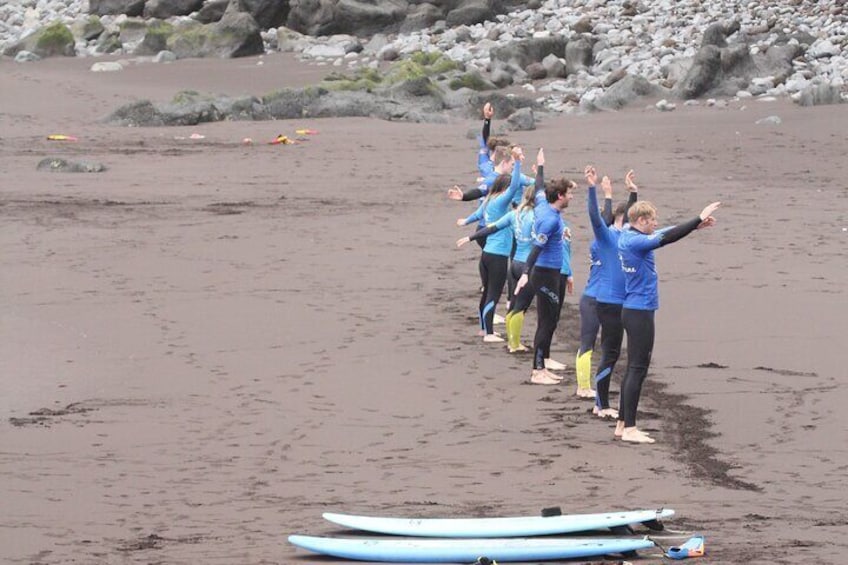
636 247
542 269
610 291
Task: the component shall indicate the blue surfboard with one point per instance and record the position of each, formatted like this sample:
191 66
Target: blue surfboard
466 550
522 526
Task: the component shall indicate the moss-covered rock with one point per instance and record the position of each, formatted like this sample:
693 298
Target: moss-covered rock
156 38
88 29
473 80
48 41
364 79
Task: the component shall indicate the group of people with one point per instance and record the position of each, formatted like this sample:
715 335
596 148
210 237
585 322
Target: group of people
526 246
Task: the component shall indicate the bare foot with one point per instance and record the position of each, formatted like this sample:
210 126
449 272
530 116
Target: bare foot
493 338
607 414
619 428
520 349
554 365
553 375
585 392
542 377
634 435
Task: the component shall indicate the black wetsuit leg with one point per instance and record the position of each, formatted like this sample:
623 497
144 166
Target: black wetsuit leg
589 323
612 332
495 267
639 326
546 283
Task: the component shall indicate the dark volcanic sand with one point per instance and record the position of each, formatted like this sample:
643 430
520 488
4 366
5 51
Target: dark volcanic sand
209 344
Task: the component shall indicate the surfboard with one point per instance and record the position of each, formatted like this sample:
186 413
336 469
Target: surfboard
522 526
466 550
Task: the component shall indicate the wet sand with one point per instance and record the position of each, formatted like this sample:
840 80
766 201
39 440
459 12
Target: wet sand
209 344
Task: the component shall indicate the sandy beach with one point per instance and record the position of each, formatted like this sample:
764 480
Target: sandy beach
211 343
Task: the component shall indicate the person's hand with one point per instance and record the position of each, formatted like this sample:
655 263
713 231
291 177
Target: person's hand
455 193
460 222
462 241
540 158
709 222
606 186
629 181
517 153
591 175
521 283
488 111
708 211
569 285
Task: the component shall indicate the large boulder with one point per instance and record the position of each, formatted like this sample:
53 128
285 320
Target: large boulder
212 11
421 16
156 38
116 7
819 95
472 12
578 54
356 17
164 9
267 13
624 92
52 40
235 35
510 60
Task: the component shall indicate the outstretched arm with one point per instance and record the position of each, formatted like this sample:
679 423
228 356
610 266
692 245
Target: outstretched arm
704 219
479 191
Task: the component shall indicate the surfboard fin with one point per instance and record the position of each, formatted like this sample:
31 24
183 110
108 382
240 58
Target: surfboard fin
551 511
694 547
655 525
622 530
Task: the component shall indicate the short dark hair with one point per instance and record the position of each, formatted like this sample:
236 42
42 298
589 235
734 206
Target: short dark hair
557 187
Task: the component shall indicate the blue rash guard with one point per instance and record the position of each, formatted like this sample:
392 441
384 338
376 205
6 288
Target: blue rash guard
484 162
565 269
493 209
548 228
636 253
521 226
593 281
611 283
523 233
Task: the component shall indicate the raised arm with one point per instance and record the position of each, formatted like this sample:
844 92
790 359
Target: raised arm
599 225
633 190
606 213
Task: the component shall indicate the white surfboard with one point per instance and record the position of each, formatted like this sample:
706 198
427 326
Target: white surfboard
520 526
399 550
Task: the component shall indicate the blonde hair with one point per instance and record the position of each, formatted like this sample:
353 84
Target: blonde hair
641 209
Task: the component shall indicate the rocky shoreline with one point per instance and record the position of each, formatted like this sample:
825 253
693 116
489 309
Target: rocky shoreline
567 55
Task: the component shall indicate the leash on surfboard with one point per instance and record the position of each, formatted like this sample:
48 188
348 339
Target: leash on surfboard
693 547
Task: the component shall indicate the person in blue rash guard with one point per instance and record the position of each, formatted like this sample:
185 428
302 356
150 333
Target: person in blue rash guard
487 165
488 144
610 287
495 258
520 221
589 323
542 269
636 246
